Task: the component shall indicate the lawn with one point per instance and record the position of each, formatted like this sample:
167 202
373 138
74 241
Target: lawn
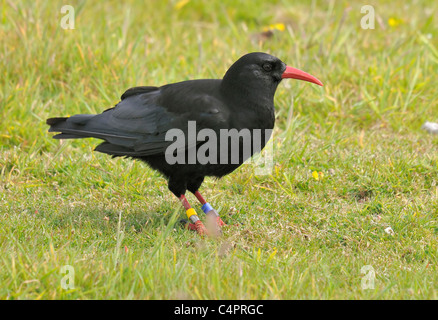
348 211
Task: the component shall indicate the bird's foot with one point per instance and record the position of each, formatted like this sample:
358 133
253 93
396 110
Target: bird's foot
220 222
198 226
212 228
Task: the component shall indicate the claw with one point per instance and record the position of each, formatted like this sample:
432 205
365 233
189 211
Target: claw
200 228
220 222
188 226
213 227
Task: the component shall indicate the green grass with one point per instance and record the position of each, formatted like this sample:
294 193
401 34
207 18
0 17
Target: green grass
297 237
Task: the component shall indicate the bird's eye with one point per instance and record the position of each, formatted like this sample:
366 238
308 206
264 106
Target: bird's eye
267 67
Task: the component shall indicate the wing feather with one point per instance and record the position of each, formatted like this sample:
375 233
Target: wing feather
138 124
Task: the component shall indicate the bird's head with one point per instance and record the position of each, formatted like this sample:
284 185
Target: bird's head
258 70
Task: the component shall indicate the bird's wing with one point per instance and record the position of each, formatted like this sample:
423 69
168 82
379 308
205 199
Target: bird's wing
138 124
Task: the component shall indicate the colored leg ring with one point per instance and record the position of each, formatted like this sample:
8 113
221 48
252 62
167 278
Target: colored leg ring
190 212
207 207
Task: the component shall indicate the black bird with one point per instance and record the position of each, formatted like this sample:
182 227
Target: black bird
137 126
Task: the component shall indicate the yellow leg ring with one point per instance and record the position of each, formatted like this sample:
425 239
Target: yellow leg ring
190 212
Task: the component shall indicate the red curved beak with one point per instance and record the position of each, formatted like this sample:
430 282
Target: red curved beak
293 73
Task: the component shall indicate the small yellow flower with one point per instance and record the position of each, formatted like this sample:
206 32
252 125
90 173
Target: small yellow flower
278 26
317 175
394 22
181 4
275 26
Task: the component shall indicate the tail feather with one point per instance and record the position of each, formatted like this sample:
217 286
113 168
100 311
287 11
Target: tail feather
54 121
66 136
80 126
68 126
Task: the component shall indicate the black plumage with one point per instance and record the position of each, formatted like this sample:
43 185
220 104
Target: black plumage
136 127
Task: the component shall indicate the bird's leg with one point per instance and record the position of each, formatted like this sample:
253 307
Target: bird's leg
209 211
193 217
